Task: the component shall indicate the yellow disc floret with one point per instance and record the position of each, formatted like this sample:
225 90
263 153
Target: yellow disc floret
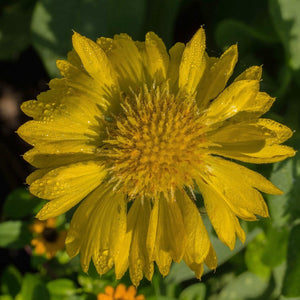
155 142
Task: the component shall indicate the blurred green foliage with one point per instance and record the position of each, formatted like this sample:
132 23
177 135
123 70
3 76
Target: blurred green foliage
267 266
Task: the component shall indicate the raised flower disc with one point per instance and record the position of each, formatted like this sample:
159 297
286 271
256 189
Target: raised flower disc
133 130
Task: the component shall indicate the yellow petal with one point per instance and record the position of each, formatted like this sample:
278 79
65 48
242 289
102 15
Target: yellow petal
81 90
35 132
95 61
82 215
143 54
61 115
106 229
211 259
192 63
261 104
75 101
222 218
74 59
158 58
252 73
249 137
138 221
60 181
175 59
79 81
232 100
102 219
241 196
37 174
170 236
216 76
60 153
68 70
197 268
121 260
281 133
254 108
152 229
197 242
58 108
250 177
267 154
125 59
66 186
243 137
163 260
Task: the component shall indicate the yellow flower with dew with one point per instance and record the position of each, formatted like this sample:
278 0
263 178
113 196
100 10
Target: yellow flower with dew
133 130
120 293
47 238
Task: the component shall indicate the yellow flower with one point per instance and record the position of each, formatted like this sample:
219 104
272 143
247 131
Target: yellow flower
48 240
120 293
134 130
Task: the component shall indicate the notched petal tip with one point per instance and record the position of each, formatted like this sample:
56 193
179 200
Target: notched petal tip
151 35
252 73
60 63
211 259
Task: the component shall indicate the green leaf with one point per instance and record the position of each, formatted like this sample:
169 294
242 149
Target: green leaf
277 238
20 203
37 261
62 257
125 16
11 280
92 285
224 253
33 288
6 297
15 28
291 286
160 18
160 298
229 32
54 20
245 286
253 256
14 234
79 297
288 298
194 292
278 275
284 209
286 19
61 287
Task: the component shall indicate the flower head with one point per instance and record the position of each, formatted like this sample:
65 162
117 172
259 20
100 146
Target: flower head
48 240
133 130
120 293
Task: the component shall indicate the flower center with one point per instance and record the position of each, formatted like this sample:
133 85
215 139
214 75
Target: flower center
155 143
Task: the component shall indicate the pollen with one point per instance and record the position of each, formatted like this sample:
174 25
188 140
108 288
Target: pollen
155 142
